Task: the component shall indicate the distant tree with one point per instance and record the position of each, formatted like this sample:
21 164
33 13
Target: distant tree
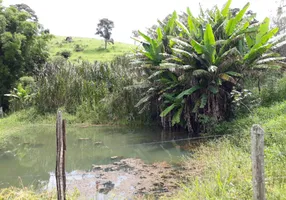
280 18
23 46
68 39
104 29
135 34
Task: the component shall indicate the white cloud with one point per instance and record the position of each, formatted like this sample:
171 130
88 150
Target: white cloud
79 18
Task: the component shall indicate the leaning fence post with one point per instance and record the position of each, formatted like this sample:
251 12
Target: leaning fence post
257 157
60 159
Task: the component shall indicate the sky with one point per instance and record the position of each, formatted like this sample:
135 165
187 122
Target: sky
80 17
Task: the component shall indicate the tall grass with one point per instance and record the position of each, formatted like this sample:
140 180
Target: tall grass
13 193
97 92
226 169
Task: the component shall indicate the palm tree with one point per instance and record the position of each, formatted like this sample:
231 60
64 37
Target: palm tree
195 73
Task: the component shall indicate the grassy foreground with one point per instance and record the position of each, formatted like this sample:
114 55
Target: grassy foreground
92 49
222 168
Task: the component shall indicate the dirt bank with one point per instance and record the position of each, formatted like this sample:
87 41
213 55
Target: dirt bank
128 178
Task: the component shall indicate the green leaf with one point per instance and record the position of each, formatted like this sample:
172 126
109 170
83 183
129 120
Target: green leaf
192 27
263 29
169 28
160 34
235 74
232 23
201 73
256 53
143 100
185 53
209 38
181 42
196 107
227 77
209 42
177 117
225 9
250 41
204 100
167 110
147 38
189 91
169 97
197 46
183 27
268 60
213 89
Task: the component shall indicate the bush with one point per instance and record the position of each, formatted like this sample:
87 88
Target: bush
65 53
78 48
22 96
274 91
91 91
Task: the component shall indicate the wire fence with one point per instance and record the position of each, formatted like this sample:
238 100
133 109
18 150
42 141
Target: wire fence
86 175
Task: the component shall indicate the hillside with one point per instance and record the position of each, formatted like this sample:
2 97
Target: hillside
92 49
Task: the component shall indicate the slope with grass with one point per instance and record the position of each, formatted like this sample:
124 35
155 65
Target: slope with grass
224 166
88 49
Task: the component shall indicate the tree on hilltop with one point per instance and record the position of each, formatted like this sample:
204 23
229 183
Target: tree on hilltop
104 29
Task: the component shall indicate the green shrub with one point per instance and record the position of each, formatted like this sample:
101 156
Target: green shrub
274 91
65 53
78 48
97 92
22 96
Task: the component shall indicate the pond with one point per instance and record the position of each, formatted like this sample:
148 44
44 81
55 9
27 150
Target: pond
30 160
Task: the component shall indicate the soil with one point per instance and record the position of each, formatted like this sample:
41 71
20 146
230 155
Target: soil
129 178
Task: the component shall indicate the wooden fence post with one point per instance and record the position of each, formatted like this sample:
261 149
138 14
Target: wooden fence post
1 112
257 157
60 160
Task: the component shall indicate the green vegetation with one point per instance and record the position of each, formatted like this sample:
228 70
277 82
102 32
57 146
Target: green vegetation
104 30
224 166
23 45
88 49
195 64
26 193
217 73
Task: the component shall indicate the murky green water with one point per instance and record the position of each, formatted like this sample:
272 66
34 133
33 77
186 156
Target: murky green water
30 161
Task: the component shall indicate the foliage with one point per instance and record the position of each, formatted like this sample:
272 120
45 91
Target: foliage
104 30
25 8
65 53
194 63
91 91
78 48
23 46
224 165
274 91
27 193
22 96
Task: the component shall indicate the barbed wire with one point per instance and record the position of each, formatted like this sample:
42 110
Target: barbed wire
178 140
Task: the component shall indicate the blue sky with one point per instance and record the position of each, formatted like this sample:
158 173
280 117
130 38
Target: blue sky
79 18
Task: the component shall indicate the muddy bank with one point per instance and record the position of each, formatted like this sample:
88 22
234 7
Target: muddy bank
127 178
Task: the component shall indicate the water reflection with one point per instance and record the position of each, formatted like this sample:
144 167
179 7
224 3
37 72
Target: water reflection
32 158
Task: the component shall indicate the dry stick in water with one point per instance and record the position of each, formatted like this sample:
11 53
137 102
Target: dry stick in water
257 157
60 160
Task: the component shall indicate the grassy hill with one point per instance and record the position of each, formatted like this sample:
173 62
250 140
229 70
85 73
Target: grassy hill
91 49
